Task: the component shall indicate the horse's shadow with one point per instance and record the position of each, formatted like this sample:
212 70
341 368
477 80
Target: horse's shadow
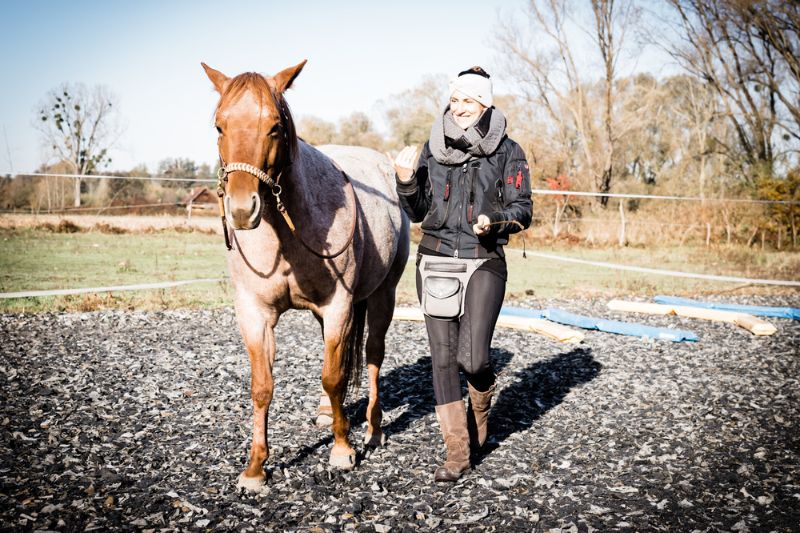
534 390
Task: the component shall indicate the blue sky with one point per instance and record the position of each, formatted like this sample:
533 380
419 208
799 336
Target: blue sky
148 53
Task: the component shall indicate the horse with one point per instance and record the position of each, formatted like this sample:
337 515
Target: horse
309 228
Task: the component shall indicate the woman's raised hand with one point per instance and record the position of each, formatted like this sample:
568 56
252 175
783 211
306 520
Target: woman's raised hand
404 163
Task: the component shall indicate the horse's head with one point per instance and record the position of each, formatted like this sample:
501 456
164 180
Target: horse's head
255 129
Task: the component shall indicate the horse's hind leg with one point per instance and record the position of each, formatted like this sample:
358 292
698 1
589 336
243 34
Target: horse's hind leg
257 332
380 307
341 352
325 411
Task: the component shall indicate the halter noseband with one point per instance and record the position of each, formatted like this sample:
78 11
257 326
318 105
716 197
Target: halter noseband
224 170
222 177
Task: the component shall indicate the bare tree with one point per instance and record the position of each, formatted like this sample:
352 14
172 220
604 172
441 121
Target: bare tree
316 131
411 113
357 129
610 30
769 30
552 78
79 126
747 51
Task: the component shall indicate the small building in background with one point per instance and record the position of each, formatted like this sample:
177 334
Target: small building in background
201 199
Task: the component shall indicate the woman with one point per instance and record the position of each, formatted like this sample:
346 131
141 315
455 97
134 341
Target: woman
470 189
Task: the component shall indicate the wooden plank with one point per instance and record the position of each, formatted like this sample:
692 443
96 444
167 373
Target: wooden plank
755 325
555 331
536 325
706 314
408 313
640 307
752 324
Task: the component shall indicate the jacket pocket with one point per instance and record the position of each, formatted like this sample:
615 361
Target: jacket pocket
436 216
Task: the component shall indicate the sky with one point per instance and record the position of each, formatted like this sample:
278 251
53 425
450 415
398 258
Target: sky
148 54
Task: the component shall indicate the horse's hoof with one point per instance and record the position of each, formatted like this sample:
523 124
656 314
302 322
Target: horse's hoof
324 420
374 440
252 484
344 461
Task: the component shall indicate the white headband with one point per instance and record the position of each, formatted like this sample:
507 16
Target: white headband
475 86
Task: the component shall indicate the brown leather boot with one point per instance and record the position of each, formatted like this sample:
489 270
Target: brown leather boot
478 415
453 421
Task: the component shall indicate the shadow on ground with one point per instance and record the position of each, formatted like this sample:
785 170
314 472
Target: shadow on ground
532 392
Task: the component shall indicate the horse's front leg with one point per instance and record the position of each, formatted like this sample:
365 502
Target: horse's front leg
257 331
338 330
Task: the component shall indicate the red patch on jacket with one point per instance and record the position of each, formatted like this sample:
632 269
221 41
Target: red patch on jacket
510 180
519 179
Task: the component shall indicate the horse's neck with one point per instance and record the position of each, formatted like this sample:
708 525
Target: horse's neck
310 185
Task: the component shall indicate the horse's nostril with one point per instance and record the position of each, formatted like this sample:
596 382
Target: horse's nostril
256 208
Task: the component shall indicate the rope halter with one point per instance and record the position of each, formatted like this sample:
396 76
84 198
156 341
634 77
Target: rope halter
250 169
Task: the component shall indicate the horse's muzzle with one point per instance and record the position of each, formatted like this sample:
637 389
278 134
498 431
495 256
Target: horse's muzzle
243 211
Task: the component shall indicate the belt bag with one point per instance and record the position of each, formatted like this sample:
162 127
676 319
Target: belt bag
444 281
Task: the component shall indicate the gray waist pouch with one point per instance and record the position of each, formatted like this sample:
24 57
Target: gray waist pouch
444 281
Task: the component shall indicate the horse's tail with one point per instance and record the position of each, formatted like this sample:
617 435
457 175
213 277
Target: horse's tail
353 349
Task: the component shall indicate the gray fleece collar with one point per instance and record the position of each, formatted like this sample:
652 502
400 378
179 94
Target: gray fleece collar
476 141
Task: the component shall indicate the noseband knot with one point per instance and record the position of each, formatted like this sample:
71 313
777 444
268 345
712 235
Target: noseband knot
250 169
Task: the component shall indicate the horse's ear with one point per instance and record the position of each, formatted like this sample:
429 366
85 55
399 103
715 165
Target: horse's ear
284 78
216 77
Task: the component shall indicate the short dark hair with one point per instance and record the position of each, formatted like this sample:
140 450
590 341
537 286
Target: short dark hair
475 70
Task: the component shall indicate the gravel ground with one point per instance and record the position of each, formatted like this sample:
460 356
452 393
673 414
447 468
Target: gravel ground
141 421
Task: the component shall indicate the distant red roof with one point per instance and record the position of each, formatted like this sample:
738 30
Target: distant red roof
201 195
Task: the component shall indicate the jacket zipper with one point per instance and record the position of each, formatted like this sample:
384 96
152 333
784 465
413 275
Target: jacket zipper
463 198
446 197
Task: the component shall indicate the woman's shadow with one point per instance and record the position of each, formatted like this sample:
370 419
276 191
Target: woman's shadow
533 391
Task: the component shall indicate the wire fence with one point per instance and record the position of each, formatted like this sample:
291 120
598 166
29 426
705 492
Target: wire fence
542 192
617 226
721 219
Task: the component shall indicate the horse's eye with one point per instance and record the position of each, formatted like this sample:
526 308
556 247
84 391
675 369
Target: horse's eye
219 130
274 131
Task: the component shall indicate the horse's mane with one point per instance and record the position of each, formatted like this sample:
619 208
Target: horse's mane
260 87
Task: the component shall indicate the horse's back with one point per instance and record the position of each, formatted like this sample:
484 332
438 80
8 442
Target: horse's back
366 166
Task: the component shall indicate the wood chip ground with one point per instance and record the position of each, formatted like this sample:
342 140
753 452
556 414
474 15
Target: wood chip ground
141 421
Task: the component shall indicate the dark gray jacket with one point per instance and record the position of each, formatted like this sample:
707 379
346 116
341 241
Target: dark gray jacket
447 199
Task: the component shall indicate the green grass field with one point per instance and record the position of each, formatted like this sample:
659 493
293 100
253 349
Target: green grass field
36 259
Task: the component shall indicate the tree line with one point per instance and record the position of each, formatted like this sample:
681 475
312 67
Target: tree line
724 123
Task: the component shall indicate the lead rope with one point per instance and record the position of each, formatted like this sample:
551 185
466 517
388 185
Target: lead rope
282 211
222 177
521 227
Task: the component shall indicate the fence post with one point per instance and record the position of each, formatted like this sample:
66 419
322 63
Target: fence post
708 233
622 239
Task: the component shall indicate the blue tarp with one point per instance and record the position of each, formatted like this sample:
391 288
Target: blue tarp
518 311
779 312
610 326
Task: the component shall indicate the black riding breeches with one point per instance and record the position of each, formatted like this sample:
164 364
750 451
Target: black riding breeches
464 344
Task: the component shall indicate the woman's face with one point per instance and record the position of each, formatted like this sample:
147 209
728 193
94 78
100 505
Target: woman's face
466 111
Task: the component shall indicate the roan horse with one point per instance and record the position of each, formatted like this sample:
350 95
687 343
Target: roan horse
320 235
